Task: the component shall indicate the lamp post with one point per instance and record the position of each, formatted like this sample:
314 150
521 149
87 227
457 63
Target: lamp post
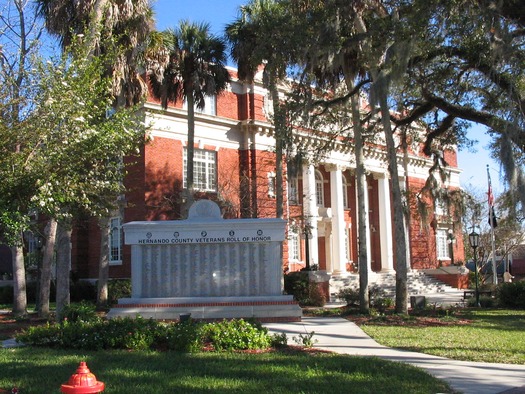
307 231
473 238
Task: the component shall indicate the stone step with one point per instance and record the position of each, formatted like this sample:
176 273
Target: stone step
418 283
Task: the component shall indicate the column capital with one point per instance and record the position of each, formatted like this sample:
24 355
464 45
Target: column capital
381 175
334 167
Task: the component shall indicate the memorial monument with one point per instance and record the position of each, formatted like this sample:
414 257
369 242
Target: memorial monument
208 266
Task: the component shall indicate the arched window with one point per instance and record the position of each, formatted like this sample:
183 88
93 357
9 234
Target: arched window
319 189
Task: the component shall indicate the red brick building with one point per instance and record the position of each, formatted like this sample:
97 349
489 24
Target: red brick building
235 166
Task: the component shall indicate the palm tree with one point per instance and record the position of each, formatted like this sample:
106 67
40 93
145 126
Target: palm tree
195 69
263 35
105 27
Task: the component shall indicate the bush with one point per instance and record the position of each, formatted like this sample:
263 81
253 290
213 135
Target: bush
236 335
118 288
512 294
381 303
306 293
141 334
184 336
296 284
484 302
349 295
83 311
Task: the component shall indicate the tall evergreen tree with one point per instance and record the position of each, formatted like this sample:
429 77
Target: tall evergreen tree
194 68
263 35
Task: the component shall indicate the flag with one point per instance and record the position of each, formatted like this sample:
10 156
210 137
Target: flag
490 198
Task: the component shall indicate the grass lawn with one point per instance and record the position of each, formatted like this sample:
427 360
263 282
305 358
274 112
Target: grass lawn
485 335
37 370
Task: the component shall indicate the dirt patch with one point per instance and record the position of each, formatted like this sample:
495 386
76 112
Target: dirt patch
9 326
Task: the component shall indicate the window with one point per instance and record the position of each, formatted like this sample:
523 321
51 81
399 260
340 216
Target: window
293 246
115 241
271 184
345 193
347 244
442 244
319 193
293 195
210 106
204 170
440 207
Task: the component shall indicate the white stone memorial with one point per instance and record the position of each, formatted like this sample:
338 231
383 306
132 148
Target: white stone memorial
207 266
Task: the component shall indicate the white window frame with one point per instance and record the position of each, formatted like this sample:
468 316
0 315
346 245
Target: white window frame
294 246
293 190
319 189
210 106
442 245
440 208
207 162
115 240
347 244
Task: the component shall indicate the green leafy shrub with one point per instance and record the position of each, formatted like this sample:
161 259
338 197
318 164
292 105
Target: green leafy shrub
484 302
382 303
126 333
236 335
279 340
131 333
184 336
512 294
141 334
83 311
118 288
349 295
296 284
306 293
305 340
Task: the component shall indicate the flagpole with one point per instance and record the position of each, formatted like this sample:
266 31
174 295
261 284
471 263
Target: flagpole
490 200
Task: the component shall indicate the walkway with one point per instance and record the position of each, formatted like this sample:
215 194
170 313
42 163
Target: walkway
342 336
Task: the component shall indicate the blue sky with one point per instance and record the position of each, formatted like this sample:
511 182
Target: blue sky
221 12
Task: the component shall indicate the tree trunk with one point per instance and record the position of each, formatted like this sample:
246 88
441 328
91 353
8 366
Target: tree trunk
399 216
190 153
19 280
103 269
45 273
279 125
362 214
95 26
63 269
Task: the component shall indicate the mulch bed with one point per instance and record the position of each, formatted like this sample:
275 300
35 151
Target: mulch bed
9 326
414 321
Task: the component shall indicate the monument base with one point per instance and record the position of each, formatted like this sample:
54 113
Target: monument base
263 308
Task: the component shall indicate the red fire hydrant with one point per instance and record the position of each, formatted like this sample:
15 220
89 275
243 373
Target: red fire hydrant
82 382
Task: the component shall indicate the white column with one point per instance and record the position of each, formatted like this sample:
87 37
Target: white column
310 211
368 238
385 224
403 186
338 222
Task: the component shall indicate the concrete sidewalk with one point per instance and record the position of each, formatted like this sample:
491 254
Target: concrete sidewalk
342 336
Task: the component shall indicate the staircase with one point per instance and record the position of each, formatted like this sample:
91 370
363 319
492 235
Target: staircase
418 283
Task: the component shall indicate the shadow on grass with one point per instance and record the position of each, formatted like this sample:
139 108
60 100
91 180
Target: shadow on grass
44 370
